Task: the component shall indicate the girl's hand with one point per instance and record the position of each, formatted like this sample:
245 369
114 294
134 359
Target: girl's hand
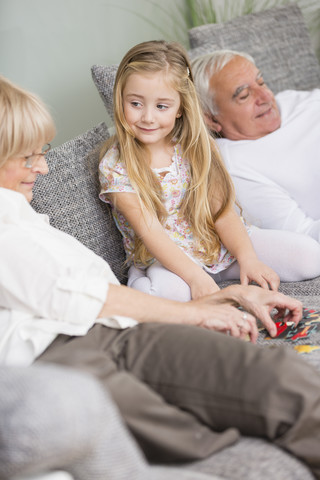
257 271
202 284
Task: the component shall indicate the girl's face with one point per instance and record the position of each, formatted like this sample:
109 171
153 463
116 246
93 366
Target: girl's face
14 175
151 107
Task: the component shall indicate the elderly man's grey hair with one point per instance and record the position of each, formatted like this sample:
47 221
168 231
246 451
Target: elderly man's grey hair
204 67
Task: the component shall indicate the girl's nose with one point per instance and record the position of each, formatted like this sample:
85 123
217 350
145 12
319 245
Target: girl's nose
147 115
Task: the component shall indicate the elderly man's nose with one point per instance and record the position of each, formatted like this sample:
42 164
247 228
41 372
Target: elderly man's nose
263 94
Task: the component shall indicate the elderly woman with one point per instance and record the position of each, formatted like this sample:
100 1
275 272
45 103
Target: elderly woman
184 389
68 417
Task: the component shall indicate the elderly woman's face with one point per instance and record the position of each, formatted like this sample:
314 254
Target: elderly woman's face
14 175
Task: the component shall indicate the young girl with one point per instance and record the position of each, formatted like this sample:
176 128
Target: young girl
171 196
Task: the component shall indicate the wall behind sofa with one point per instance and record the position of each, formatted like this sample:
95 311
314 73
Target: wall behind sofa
48 46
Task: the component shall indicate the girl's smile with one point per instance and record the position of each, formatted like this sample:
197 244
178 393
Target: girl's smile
148 129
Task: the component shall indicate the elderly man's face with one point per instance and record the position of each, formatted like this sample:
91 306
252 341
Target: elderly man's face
247 108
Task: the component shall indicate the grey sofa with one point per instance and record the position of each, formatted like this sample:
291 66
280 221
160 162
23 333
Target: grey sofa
279 41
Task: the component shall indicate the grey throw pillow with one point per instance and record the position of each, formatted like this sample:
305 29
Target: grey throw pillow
103 78
277 39
69 196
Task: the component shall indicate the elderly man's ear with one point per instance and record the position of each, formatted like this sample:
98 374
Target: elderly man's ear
212 122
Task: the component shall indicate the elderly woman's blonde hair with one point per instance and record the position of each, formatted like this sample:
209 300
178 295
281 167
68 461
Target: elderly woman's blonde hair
25 122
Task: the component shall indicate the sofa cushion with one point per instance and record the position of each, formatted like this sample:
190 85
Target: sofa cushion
69 196
277 39
103 78
253 459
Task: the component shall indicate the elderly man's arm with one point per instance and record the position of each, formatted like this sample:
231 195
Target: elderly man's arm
267 205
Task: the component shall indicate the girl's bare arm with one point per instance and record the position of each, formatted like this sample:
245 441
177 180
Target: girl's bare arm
160 245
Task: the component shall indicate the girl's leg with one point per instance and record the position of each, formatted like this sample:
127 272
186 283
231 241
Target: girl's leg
294 256
157 280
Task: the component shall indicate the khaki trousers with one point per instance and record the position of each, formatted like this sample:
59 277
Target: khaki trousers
186 392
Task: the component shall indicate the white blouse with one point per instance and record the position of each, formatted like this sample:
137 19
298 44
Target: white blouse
49 283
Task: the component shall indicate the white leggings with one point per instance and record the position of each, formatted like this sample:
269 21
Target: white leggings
294 256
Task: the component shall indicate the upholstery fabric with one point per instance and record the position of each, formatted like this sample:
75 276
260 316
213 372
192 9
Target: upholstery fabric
69 195
307 288
84 425
253 459
103 78
86 434
277 39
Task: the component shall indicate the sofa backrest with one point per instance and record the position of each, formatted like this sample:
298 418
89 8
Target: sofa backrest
277 39
280 43
69 196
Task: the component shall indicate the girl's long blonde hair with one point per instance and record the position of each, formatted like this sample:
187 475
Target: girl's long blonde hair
25 122
210 192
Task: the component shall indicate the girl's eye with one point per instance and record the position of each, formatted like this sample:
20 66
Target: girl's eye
162 107
136 104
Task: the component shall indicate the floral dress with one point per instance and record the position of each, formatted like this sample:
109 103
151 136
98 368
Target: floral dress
174 181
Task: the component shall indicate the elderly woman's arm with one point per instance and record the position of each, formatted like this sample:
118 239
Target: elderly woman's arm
215 312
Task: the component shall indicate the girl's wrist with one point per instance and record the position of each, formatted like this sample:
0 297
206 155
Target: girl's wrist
197 275
247 257
192 273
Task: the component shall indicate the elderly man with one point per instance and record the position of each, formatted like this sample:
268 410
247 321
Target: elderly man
270 143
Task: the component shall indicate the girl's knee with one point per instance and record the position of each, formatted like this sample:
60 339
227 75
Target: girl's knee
167 284
177 290
312 259
158 281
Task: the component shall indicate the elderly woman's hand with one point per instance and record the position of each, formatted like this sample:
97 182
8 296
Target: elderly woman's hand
227 319
260 302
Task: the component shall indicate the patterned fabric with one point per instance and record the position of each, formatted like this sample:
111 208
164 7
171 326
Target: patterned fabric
277 39
174 181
